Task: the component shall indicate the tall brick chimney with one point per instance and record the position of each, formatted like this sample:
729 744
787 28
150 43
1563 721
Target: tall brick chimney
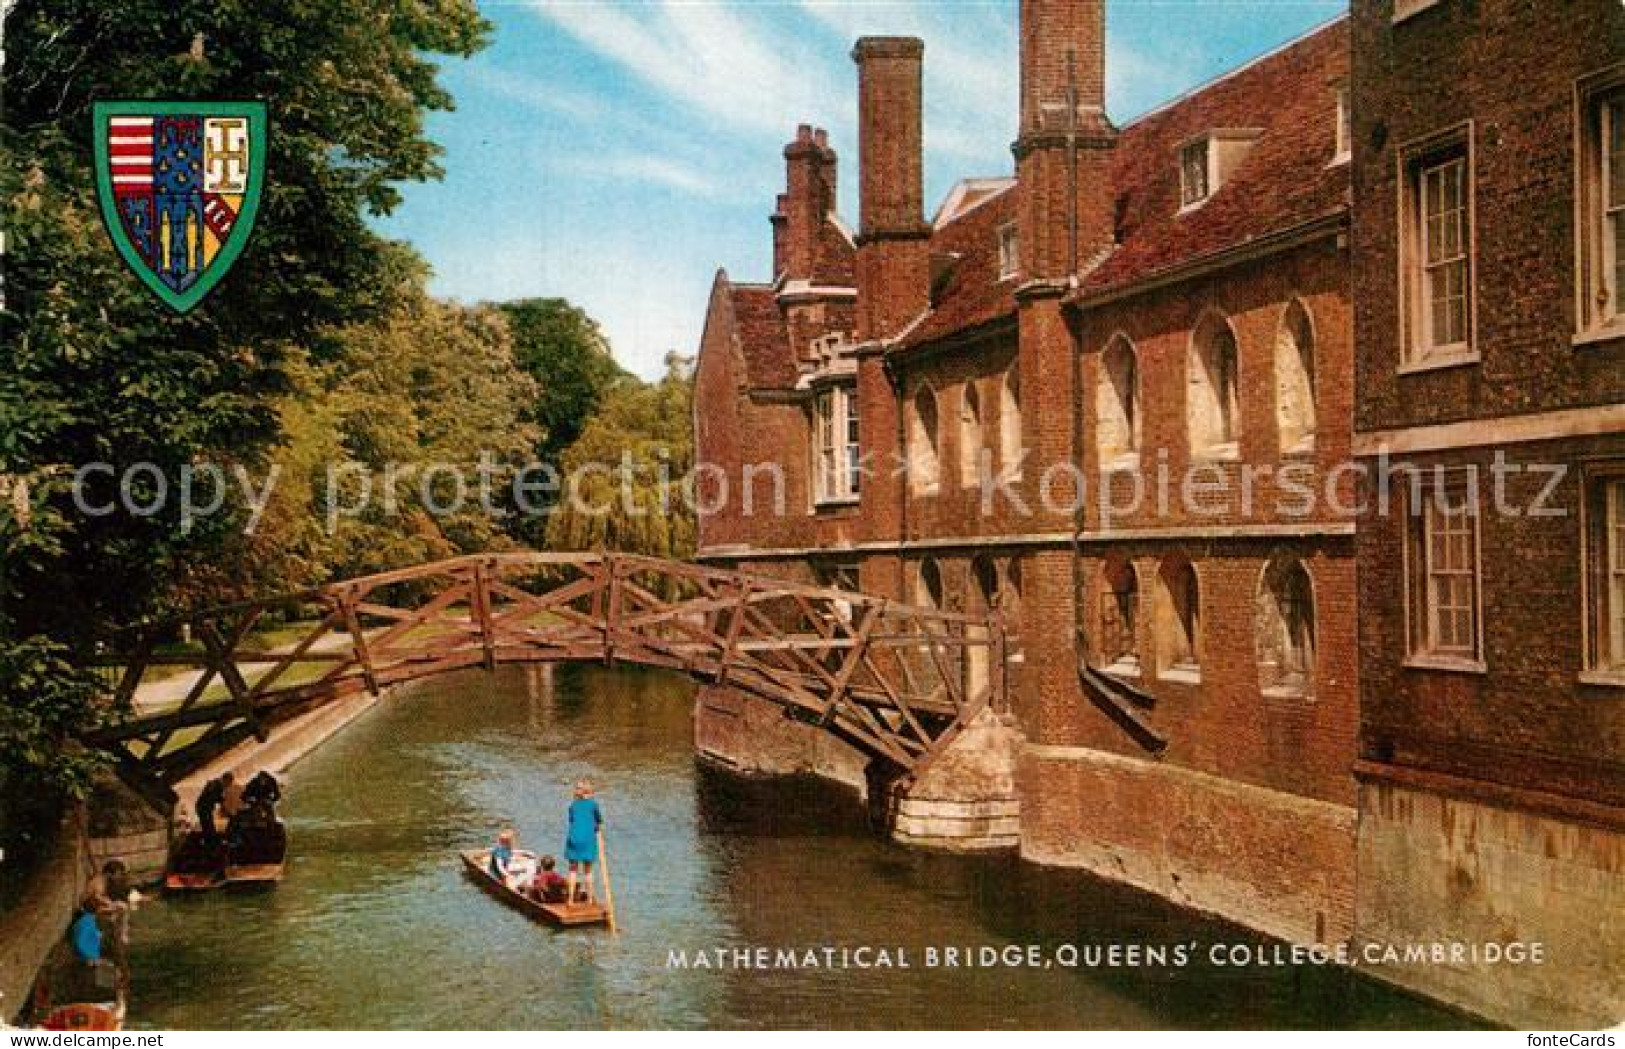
893 271
893 264
1063 153
809 196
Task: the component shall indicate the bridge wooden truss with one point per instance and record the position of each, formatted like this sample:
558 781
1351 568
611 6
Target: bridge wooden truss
898 682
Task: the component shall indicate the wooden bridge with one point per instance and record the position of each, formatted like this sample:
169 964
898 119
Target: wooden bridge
896 681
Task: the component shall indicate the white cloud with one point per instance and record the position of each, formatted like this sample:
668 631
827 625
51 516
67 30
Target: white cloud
712 58
534 92
650 169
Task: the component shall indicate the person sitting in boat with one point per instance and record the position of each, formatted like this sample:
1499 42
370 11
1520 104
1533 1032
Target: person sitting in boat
262 794
86 934
584 820
548 885
501 863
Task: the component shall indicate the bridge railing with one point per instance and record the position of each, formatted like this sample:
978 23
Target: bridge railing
898 681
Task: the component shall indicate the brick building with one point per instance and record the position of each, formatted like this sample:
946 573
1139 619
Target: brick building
1489 181
1165 299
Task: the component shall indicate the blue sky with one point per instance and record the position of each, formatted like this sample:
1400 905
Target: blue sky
617 152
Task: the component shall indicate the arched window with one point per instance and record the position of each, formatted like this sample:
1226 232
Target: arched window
923 464
1117 406
928 584
985 572
1178 620
1212 406
1295 379
970 434
1286 629
1010 423
1117 644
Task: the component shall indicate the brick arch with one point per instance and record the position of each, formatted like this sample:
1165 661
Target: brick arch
1295 404
1213 387
924 438
1285 626
1118 405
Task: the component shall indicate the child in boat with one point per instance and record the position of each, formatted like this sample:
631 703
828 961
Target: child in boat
547 886
501 863
581 841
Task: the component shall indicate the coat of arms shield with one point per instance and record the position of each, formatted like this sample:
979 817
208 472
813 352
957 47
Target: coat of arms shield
180 185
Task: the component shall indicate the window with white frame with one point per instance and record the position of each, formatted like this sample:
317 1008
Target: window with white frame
1436 262
1605 557
1443 566
1009 251
835 437
1602 202
1194 173
1345 126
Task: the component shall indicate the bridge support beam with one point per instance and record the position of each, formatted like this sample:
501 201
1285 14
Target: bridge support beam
966 800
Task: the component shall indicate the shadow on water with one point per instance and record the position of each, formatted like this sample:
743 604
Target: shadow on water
375 927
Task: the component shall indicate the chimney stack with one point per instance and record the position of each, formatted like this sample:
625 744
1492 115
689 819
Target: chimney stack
1063 154
809 197
893 262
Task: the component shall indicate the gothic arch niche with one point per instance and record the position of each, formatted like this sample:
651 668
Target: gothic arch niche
987 592
1212 399
1295 379
924 464
1117 615
928 585
1176 619
1117 406
1010 423
970 434
1285 628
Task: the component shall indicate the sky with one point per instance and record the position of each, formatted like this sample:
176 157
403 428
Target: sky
618 152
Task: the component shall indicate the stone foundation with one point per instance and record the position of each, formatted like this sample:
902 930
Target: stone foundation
1275 862
966 801
1442 869
752 736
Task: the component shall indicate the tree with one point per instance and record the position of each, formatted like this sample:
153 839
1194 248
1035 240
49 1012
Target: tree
95 370
641 446
565 351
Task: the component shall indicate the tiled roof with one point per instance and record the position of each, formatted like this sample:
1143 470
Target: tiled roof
1285 181
763 341
972 293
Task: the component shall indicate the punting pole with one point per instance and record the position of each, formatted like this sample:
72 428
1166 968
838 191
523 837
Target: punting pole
609 889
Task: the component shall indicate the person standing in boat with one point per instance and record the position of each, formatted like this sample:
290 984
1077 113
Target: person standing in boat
208 800
584 821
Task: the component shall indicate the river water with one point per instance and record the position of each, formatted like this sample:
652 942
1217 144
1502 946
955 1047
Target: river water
376 927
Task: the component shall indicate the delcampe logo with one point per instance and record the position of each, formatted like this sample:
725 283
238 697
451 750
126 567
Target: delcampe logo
180 185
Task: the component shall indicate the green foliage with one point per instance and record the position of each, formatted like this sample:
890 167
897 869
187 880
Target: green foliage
649 427
94 369
47 699
565 351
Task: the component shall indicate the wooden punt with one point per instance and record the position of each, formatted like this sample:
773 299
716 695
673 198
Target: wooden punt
258 860
86 1016
476 864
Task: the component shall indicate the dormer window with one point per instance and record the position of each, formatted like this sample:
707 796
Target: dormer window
1195 169
1207 162
1009 251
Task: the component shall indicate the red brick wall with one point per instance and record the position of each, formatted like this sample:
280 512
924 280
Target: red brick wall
1511 69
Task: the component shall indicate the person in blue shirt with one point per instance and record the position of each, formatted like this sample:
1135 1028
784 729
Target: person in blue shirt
502 857
86 935
581 839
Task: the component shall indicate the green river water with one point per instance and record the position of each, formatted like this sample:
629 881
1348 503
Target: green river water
376 927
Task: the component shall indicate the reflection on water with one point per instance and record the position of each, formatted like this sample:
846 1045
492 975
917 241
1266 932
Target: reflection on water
376 928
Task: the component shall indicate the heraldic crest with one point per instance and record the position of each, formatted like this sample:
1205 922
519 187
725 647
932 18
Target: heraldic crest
180 185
